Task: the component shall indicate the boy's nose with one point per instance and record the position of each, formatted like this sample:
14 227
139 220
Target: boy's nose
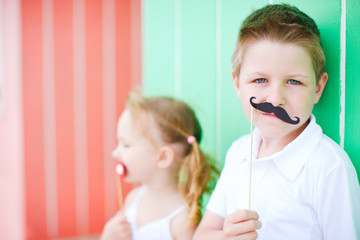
277 96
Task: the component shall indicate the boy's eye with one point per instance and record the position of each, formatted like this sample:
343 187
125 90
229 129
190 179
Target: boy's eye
261 80
293 82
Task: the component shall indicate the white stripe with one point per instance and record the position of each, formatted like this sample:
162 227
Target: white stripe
342 72
109 104
49 119
2 97
80 133
177 39
12 222
218 80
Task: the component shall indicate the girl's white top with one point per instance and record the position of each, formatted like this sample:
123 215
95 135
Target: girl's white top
307 191
156 230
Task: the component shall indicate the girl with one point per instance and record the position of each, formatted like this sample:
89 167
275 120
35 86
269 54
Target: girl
304 185
158 143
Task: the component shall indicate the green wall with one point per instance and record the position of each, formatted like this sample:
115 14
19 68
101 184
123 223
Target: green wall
352 106
187 48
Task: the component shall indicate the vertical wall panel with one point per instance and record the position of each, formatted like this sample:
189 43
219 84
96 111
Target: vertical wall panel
197 68
64 99
109 103
135 40
70 98
49 116
128 60
94 99
158 20
352 114
36 227
194 28
124 51
12 197
80 125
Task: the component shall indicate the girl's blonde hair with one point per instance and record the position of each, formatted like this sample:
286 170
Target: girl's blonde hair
284 24
177 122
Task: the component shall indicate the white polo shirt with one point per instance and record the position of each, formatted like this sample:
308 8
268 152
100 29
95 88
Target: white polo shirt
309 190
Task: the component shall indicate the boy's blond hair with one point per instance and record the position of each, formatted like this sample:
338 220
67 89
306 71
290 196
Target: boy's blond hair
284 24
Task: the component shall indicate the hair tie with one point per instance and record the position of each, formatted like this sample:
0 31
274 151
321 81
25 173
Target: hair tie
191 139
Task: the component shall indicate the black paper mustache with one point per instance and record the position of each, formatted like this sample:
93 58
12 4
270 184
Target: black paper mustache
278 111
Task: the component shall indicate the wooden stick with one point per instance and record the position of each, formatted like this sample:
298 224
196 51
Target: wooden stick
251 147
120 171
119 191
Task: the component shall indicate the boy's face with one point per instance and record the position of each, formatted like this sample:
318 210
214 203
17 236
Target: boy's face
281 74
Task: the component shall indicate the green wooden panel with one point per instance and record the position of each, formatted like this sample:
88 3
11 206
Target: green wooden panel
182 64
233 122
187 48
158 47
198 69
352 106
327 16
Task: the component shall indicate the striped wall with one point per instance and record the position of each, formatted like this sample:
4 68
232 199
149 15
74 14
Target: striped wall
187 53
66 66
77 60
77 69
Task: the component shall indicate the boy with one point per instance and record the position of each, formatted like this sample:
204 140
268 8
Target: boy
304 185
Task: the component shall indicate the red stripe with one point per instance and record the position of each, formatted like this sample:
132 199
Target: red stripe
35 201
93 22
136 42
64 99
123 53
123 60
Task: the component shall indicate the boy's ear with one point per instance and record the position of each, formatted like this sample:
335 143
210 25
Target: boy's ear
236 83
167 156
320 87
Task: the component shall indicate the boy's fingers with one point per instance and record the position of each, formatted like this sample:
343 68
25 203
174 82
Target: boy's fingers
242 228
248 226
243 215
242 224
248 236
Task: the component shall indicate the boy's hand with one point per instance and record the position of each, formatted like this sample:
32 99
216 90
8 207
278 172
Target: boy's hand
241 225
117 228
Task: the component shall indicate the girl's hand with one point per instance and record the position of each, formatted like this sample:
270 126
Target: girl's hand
117 228
241 225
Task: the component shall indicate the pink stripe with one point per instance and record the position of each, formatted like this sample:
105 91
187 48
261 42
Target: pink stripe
64 99
80 134
136 43
12 220
94 98
123 60
35 193
49 119
109 104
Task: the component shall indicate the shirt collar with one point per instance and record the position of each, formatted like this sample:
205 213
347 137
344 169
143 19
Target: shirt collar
292 158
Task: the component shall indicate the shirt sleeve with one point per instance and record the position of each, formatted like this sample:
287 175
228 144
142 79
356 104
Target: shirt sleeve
337 202
218 203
